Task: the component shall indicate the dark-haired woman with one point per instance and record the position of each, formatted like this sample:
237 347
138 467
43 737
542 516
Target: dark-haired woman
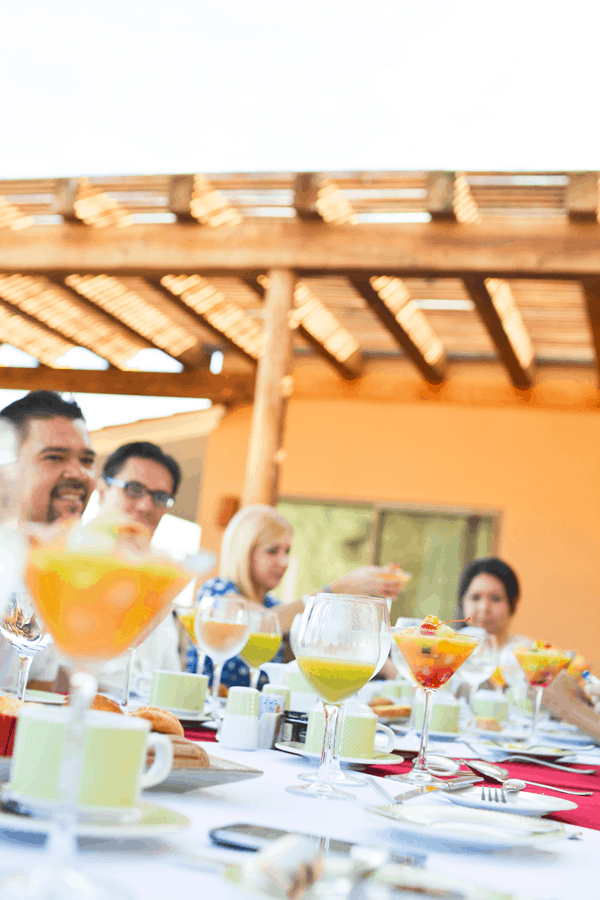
488 593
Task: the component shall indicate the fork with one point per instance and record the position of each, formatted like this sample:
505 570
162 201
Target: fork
379 789
492 794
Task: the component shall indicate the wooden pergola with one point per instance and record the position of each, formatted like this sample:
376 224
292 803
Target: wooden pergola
430 266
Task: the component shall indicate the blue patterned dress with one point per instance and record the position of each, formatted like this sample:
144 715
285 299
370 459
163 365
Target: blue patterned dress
235 670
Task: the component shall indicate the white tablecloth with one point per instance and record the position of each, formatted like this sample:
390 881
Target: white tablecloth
155 868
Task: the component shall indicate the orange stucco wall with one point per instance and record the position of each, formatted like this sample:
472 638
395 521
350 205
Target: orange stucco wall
537 464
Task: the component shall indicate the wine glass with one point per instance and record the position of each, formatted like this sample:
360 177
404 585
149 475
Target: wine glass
339 646
336 774
479 666
263 642
99 589
221 626
541 663
433 653
21 627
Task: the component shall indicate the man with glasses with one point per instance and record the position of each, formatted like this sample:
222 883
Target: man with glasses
140 481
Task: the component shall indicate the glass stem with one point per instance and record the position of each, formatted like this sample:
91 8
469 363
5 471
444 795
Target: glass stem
536 709
217 671
420 764
254 676
331 717
62 840
337 740
200 657
128 680
24 666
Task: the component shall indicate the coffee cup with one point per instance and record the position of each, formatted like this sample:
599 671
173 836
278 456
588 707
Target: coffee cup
445 713
362 735
114 757
178 690
491 705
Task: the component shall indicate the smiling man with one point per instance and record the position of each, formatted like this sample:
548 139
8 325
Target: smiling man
57 460
58 475
140 481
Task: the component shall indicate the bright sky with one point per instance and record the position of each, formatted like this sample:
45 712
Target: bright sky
272 85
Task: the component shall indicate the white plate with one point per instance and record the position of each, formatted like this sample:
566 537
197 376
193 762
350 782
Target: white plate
525 803
221 771
155 821
434 735
450 826
380 759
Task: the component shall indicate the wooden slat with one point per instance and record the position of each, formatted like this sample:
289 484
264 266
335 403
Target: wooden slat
349 368
518 368
583 199
199 384
432 372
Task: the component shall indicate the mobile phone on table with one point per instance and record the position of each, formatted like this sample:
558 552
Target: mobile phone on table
256 837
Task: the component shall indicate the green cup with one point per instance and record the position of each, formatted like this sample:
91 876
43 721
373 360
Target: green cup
178 690
491 705
444 714
113 765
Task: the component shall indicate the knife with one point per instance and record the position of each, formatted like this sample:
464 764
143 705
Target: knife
455 784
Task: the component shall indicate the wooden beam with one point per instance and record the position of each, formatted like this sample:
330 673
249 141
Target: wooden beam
434 371
440 196
232 388
591 290
503 248
582 197
273 387
350 368
200 319
306 193
506 329
181 194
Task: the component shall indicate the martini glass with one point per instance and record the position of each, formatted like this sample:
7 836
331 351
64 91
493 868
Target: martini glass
541 663
433 653
222 627
99 589
339 646
336 773
263 642
404 671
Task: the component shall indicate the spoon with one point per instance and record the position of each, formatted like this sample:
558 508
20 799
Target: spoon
491 770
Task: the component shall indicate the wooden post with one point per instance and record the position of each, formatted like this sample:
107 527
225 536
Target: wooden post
273 387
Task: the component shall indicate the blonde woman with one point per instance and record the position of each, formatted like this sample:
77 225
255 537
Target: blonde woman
255 554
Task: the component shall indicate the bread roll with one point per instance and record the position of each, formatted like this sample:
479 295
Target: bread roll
392 712
9 706
105 704
186 754
380 701
160 720
486 723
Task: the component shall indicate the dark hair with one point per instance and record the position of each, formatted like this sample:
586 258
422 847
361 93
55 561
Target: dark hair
142 450
489 565
40 405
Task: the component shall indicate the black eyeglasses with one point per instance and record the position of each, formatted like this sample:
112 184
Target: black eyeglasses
136 490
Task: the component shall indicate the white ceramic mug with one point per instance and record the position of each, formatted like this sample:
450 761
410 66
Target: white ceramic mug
113 765
445 712
362 737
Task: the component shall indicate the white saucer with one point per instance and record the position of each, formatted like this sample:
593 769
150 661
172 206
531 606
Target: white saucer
188 715
450 827
401 731
154 821
525 803
379 759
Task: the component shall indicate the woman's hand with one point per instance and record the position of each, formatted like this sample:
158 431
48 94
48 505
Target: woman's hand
372 581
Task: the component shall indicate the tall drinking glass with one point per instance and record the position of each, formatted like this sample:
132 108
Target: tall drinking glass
339 646
478 667
20 626
99 590
222 627
433 653
187 615
336 773
263 642
541 663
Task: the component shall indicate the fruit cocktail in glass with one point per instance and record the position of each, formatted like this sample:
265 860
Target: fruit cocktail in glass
433 652
541 662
